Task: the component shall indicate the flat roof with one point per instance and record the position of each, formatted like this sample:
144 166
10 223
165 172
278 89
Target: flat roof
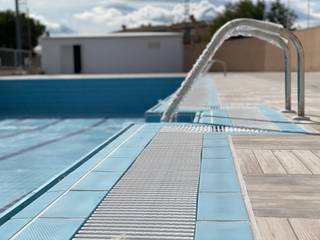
118 35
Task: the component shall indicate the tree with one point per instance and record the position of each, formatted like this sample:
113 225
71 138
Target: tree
280 14
8 30
241 9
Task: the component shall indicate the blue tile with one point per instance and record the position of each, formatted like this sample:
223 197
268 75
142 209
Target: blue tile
215 136
213 99
12 226
220 117
280 120
98 181
213 182
218 152
221 207
38 205
206 120
223 231
51 229
224 165
115 164
217 117
207 142
131 152
66 182
75 204
139 144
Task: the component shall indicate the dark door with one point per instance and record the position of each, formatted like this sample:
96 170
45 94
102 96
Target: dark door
77 58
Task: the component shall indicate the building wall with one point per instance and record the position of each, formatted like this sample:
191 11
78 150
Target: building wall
117 54
310 39
250 54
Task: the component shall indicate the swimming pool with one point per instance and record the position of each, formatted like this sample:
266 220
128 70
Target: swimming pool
50 123
32 151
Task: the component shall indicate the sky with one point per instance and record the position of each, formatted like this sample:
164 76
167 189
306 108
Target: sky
103 16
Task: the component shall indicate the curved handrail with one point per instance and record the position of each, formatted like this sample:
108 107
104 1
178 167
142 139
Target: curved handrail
276 41
281 44
213 61
217 40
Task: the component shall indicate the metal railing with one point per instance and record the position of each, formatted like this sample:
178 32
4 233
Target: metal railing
213 61
9 58
234 28
278 42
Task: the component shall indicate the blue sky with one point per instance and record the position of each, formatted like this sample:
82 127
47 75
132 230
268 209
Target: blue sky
102 16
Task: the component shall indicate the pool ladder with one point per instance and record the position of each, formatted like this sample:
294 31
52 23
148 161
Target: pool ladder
275 34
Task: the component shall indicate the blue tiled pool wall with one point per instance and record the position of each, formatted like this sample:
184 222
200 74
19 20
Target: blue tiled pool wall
114 97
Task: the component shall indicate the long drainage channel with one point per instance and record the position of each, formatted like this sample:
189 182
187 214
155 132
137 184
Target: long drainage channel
157 197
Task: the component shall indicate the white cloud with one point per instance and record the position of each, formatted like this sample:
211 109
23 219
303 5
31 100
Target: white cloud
113 16
96 16
206 10
99 14
53 27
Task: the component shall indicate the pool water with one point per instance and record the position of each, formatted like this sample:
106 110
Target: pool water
66 117
32 151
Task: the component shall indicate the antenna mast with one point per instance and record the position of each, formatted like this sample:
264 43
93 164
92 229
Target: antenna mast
186 10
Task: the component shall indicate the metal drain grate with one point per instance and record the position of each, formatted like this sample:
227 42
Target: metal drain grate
156 198
187 128
228 129
208 128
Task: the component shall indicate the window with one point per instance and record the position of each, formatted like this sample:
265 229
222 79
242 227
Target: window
154 45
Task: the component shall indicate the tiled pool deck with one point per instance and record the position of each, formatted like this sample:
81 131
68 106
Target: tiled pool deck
239 172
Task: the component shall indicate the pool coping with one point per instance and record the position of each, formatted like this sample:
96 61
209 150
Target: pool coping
91 76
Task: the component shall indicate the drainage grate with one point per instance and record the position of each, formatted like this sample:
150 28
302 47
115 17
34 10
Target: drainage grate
228 129
156 198
209 128
187 128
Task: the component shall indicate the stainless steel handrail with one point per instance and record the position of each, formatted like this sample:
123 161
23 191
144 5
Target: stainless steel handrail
217 40
281 44
213 61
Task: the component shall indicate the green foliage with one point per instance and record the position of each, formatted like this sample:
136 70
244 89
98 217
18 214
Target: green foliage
278 13
241 9
8 30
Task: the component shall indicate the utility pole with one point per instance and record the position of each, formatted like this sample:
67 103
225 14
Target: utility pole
29 30
308 20
18 35
187 30
29 38
288 13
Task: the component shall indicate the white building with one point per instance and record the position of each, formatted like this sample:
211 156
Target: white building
113 53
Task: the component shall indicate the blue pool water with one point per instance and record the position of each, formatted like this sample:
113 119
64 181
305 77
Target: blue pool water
66 118
32 151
